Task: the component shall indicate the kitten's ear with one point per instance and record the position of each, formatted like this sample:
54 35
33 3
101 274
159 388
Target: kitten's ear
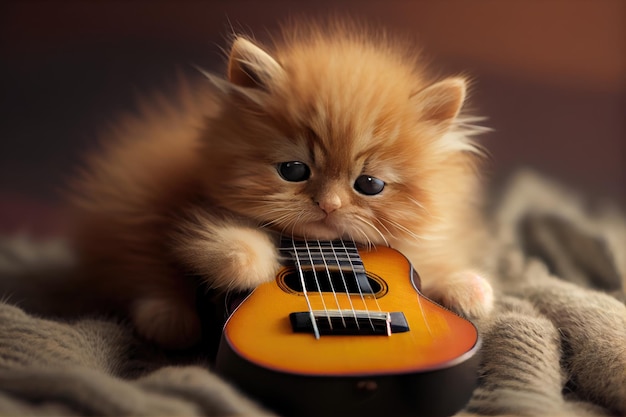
251 67
250 72
441 102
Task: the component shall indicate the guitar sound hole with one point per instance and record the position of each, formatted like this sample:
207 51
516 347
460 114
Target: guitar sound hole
323 281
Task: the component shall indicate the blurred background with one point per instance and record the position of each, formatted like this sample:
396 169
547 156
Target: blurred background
550 76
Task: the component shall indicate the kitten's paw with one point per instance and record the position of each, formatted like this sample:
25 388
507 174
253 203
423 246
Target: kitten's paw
225 254
167 321
465 292
247 257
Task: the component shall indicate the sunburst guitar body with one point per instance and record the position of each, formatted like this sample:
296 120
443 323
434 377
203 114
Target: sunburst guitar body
345 331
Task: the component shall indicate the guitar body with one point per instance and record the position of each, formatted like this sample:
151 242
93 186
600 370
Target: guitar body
421 361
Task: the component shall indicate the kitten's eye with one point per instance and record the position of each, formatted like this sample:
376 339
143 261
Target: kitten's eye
294 171
369 185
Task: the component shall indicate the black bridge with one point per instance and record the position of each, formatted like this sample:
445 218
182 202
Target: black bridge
349 322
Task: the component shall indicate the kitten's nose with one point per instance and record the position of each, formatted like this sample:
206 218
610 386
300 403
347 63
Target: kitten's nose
329 203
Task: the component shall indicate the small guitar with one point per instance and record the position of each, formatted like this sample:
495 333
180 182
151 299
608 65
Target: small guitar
345 331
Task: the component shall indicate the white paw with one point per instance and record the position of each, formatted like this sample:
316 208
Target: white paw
465 292
227 256
248 259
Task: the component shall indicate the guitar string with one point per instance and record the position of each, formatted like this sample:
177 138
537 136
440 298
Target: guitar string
330 281
369 316
305 292
348 257
375 299
345 285
373 295
419 302
317 283
353 269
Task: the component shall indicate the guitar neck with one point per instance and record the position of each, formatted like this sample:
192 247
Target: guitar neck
332 255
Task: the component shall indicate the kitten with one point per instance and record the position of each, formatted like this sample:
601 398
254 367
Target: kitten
332 133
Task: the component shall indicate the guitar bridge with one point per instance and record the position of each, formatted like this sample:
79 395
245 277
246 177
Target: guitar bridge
349 322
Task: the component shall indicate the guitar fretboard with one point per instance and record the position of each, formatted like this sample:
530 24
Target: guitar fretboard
336 254
333 266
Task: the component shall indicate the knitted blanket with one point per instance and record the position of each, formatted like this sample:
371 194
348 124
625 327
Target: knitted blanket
556 344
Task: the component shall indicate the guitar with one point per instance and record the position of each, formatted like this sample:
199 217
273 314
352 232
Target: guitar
345 331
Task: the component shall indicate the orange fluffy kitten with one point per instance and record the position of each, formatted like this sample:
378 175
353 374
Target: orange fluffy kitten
331 133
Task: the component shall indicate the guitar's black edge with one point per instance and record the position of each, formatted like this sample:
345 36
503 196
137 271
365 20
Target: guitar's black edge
437 392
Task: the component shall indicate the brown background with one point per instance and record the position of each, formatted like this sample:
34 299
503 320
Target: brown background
550 75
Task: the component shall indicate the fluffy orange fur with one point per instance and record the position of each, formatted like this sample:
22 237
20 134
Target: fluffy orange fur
192 186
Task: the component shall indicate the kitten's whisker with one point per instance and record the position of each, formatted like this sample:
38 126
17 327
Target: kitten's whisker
406 230
418 204
351 236
277 220
286 225
294 222
386 230
366 241
361 219
286 219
